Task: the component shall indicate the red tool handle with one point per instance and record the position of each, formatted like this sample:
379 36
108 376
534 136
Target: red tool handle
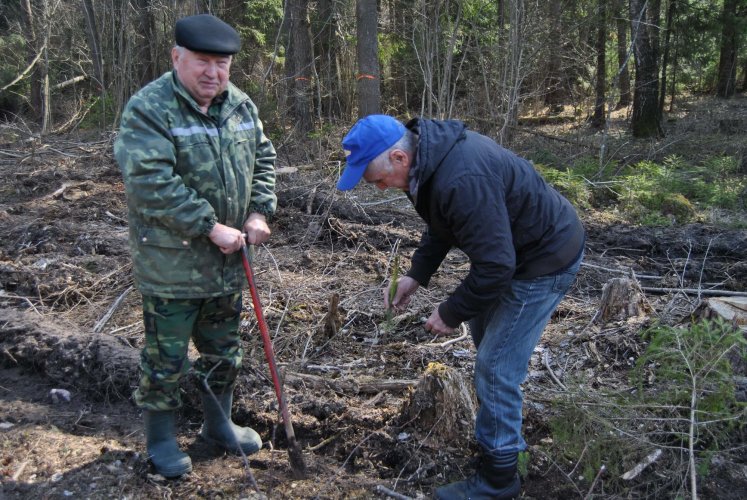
298 466
263 330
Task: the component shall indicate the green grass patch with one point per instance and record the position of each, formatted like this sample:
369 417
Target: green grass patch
673 191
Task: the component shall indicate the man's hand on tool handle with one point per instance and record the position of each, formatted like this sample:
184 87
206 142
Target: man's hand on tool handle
230 240
406 287
256 229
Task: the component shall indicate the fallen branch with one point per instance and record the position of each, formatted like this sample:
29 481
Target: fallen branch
106 317
601 471
463 336
546 362
323 443
391 493
382 202
349 385
26 71
695 291
635 471
19 471
67 83
628 271
5 295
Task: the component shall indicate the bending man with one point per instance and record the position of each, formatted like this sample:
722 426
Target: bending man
525 245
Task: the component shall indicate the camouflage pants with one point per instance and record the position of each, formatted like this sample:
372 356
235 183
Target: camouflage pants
212 324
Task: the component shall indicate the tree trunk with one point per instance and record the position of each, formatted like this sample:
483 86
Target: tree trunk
513 71
598 121
665 58
328 52
554 95
298 64
623 75
369 91
646 120
727 66
93 42
98 62
444 91
672 84
35 14
146 43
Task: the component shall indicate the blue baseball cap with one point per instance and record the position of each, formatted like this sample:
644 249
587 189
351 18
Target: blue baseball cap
368 138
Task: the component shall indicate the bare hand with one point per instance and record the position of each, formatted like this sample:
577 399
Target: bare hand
228 239
406 287
256 229
437 326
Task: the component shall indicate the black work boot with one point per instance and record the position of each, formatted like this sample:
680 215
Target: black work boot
168 460
219 430
494 481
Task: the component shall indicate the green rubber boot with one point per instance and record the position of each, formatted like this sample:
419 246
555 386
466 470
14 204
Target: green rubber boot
219 430
163 452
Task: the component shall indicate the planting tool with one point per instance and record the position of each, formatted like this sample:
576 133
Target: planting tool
294 451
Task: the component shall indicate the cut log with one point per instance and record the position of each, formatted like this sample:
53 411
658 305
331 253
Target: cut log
731 309
101 364
441 409
621 299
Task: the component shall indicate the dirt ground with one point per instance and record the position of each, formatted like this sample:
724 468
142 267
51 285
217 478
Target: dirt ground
70 321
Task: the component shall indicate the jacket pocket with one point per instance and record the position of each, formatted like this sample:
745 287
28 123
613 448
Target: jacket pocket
163 261
157 237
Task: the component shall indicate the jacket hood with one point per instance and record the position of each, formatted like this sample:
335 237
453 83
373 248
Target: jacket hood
436 139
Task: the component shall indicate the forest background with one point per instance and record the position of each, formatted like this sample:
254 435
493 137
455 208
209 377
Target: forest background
635 110
74 64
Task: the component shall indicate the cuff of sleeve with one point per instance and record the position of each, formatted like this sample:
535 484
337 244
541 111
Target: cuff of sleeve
447 316
421 278
265 210
208 224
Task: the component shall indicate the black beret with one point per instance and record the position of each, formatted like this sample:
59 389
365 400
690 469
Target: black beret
206 33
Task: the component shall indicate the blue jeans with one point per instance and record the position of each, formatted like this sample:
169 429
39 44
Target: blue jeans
505 336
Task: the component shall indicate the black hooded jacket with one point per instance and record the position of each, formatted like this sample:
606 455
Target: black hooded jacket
492 205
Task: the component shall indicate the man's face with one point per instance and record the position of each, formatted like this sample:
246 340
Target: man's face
203 75
392 174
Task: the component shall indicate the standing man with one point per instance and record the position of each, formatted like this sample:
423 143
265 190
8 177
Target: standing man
199 175
525 245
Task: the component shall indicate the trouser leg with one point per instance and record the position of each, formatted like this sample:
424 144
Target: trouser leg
507 335
163 360
217 339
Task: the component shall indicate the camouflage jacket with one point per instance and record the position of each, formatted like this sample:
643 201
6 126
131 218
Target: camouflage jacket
184 171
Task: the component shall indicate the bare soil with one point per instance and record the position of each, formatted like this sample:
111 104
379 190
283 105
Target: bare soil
65 269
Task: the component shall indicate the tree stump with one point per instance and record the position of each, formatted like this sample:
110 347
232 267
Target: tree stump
441 409
333 320
621 299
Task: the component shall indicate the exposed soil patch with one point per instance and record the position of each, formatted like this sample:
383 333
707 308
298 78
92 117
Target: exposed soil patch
64 264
